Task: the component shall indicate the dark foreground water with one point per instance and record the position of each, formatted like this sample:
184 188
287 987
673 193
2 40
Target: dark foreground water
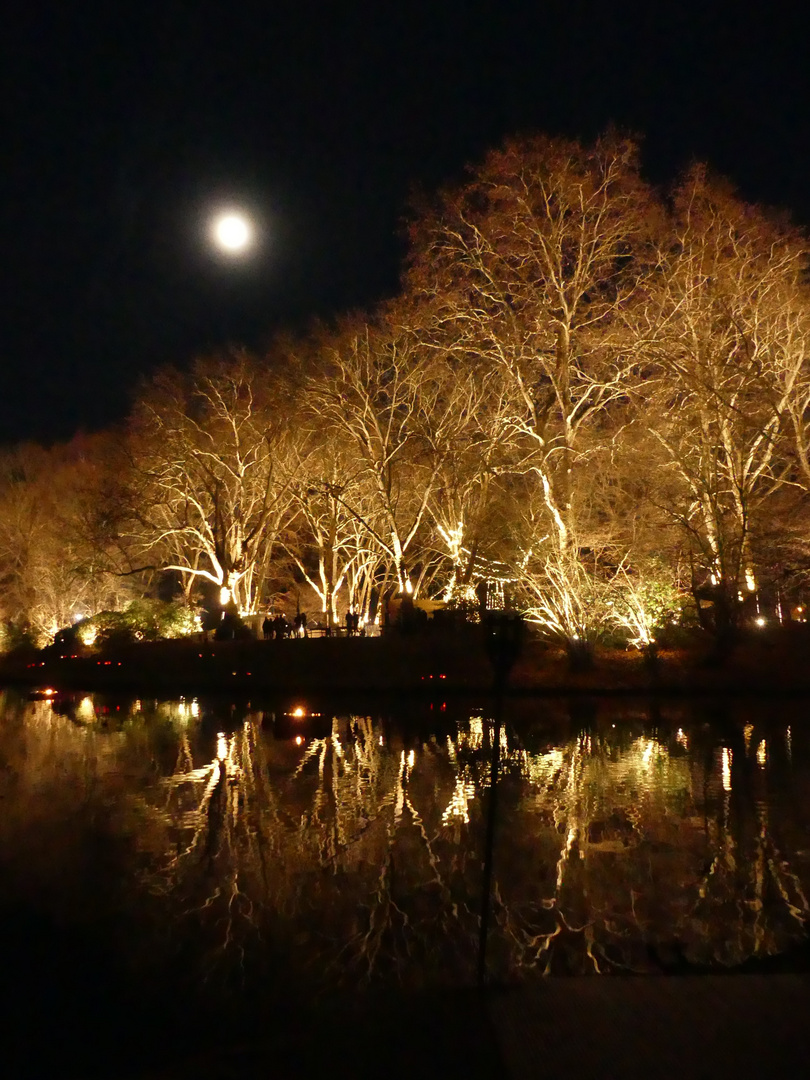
186 858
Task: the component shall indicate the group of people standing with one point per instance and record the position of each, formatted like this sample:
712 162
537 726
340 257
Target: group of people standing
278 626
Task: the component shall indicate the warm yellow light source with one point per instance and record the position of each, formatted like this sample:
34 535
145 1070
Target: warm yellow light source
232 232
299 711
760 620
224 595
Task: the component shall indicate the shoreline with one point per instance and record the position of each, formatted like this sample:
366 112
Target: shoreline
429 666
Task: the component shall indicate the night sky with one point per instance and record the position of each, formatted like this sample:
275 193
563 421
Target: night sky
125 124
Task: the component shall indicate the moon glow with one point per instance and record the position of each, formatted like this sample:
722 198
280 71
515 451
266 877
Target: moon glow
232 232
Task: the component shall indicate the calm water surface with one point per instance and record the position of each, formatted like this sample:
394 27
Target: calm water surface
204 844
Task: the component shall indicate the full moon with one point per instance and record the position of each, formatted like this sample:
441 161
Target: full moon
232 232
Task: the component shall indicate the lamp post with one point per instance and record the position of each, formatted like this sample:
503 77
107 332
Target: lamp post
503 640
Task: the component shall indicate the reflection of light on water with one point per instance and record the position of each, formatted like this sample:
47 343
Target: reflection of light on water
222 746
590 770
788 743
475 737
458 807
748 731
605 841
570 840
85 710
542 768
649 748
185 709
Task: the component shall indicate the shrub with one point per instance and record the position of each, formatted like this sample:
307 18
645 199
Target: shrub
143 620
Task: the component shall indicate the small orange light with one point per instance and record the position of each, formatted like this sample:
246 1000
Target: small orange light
299 711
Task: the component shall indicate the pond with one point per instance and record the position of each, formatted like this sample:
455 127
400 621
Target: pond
215 848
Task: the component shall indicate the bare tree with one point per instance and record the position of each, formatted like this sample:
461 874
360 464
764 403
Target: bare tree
212 482
525 270
469 481
326 544
386 399
725 326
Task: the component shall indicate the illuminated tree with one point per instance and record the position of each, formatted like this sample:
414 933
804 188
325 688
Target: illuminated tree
56 562
525 270
324 543
467 503
386 400
211 482
579 382
724 325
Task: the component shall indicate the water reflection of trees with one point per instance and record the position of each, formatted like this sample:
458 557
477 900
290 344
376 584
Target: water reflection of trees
358 854
54 780
650 850
329 850
619 848
353 852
